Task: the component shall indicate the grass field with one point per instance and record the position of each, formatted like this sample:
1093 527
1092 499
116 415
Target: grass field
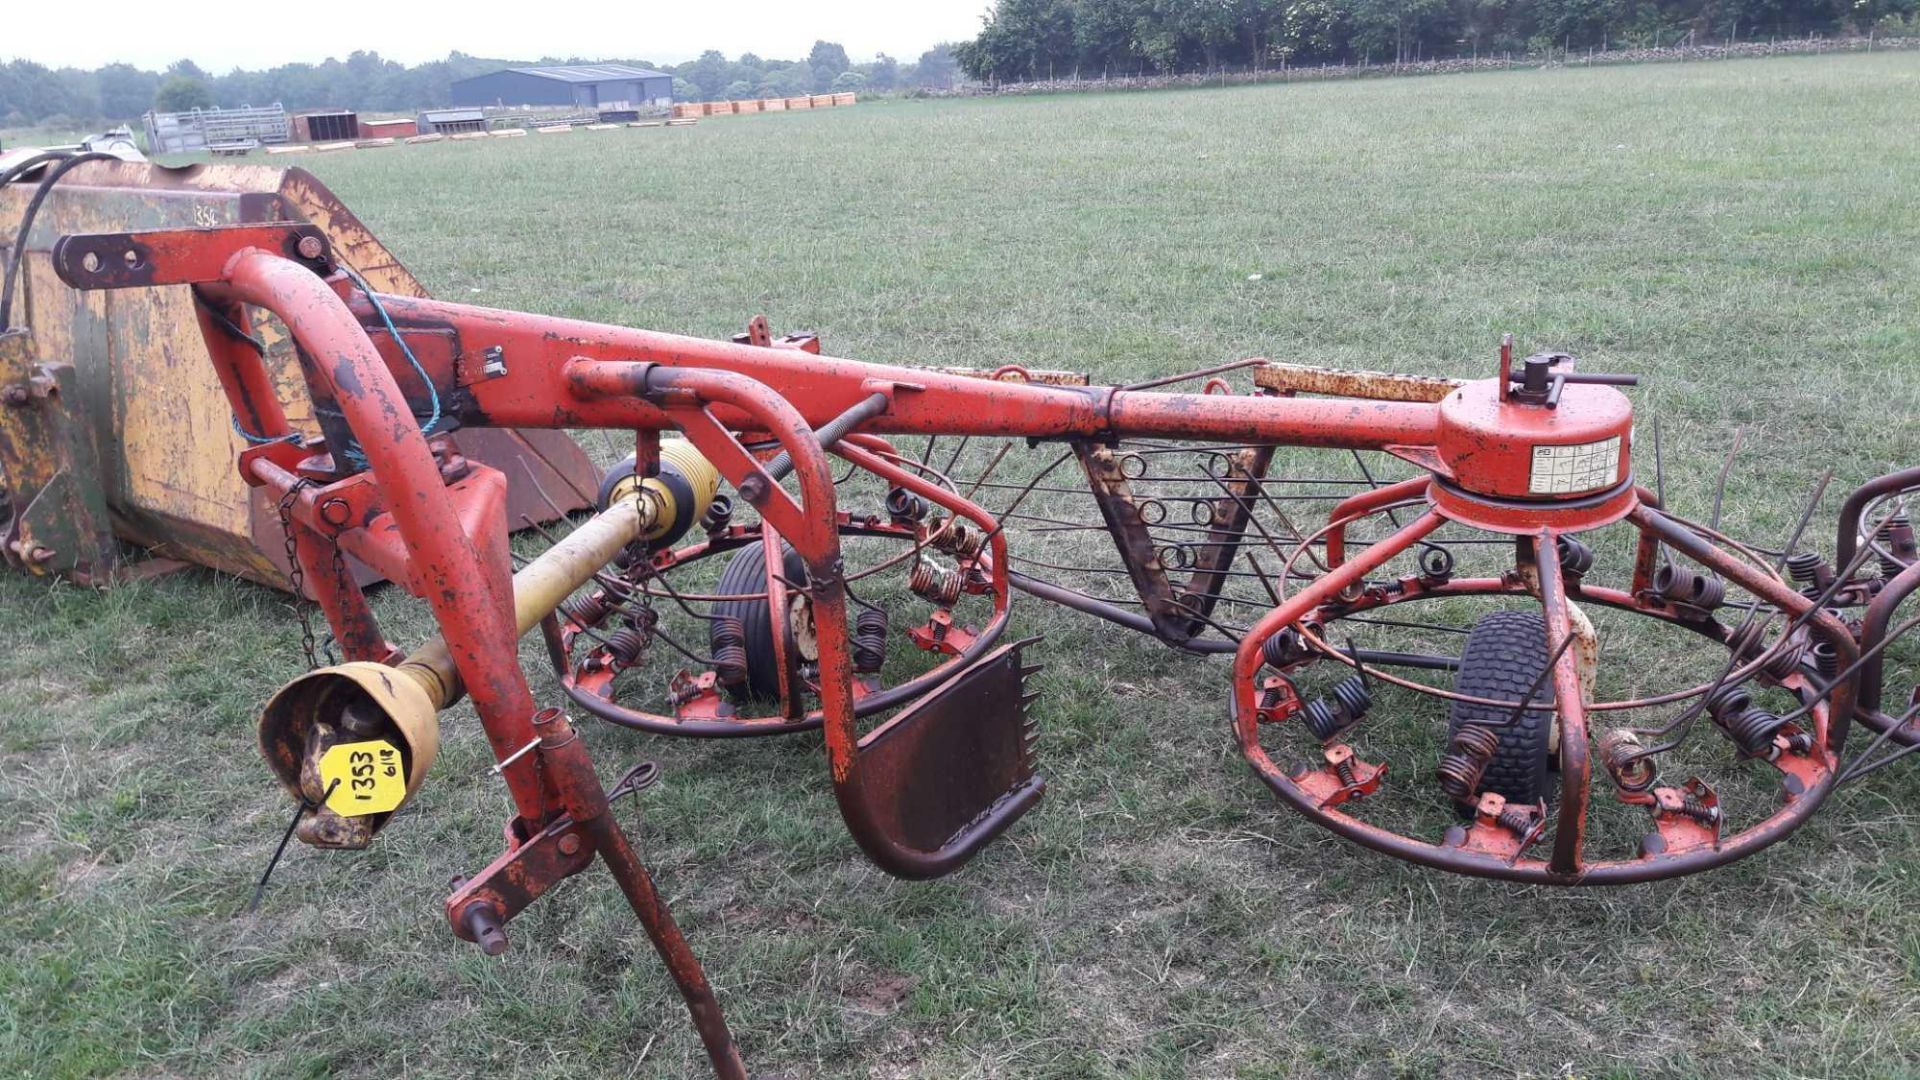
1744 234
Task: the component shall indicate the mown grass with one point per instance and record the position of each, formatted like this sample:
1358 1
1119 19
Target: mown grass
1745 234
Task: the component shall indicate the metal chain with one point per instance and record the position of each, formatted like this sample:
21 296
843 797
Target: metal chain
341 581
297 575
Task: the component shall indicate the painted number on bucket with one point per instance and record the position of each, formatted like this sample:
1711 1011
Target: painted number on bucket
371 779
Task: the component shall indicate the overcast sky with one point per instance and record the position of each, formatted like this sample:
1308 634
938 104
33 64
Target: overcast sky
223 34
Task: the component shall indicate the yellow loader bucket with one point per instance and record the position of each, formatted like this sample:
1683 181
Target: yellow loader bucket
113 426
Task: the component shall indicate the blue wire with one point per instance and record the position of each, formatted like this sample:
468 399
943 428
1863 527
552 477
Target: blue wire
257 440
354 454
354 276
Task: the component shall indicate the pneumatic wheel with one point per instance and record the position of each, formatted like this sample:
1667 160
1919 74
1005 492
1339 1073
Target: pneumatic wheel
745 575
1505 654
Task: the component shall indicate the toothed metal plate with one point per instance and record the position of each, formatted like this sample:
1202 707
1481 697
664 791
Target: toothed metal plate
955 755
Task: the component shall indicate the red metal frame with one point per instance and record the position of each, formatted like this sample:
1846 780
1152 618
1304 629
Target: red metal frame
440 530
565 373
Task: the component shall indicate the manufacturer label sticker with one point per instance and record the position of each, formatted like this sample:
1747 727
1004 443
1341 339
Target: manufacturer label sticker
1569 470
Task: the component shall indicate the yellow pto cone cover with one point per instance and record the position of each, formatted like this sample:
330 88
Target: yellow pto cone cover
354 701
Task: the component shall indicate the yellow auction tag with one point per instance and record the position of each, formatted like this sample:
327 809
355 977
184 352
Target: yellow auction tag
366 778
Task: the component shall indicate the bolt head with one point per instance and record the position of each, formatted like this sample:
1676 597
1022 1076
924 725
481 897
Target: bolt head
311 247
570 845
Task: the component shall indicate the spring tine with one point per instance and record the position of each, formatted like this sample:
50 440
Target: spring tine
558 514
1720 488
1367 474
1200 373
1793 539
1860 767
792 586
1405 624
1526 700
1022 497
539 528
989 470
675 595
527 445
957 451
1267 497
1360 669
1262 575
1659 467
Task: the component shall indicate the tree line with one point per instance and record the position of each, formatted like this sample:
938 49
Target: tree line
712 77
1027 40
34 94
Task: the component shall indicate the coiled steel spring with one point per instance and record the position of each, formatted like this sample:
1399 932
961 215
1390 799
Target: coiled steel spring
1351 700
904 505
1630 769
1826 659
1517 820
1354 697
629 643
719 514
1679 585
1691 807
586 609
869 640
934 583
1748 642
1468 754
1729 699
1807 569
1750 727
1272 694
1576 558
626 645
1753 729
1280 649
1896 544
727 637
960 538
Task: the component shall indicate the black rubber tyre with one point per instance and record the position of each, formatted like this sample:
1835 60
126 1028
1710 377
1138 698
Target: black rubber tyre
1506 651
746 573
